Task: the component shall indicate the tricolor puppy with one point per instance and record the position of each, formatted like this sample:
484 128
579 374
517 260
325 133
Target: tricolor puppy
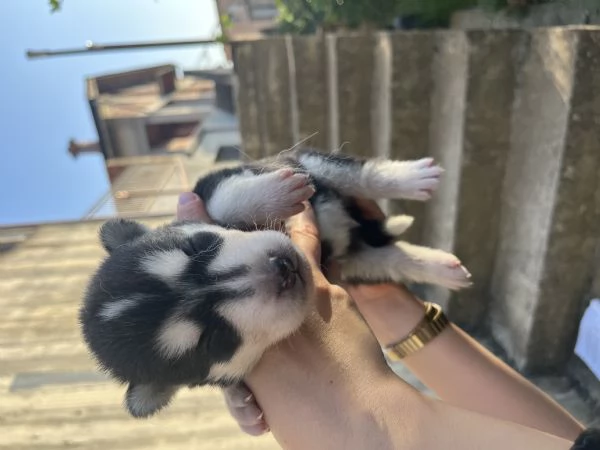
190 304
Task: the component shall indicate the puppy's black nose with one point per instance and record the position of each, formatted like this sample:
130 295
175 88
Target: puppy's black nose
285 269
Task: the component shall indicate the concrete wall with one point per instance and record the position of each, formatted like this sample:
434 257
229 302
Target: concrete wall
512 115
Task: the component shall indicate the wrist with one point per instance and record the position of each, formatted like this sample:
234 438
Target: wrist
392 312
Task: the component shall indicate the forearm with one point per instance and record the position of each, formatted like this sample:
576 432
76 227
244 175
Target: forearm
388 415
462 372
325 396
454 428
336 416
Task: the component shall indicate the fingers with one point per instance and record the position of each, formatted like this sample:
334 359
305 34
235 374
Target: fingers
304 232
191 207
245 410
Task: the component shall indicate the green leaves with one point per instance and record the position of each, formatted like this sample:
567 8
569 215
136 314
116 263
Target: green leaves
55 5
309 16
226 21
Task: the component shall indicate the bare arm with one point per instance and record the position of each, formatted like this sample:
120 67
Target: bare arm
328 387
325 407
458 369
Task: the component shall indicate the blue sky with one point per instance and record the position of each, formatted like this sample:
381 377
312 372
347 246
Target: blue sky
43 101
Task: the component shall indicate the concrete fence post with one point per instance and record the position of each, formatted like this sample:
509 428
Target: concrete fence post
247 99
475 82
355 62
410 97
549 219
312 91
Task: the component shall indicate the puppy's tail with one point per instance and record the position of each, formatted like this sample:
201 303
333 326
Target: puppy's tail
396 225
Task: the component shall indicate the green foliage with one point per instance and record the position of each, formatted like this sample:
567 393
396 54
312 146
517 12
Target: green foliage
226 24
55 5
516 8
434 11
226 21
309 16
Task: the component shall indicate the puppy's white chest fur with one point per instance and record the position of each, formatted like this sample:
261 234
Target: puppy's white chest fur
237 367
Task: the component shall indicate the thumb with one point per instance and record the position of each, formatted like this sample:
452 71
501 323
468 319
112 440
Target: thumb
191 207
304 232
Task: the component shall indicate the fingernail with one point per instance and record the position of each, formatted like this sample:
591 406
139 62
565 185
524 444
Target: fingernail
260 417
249 398
187 197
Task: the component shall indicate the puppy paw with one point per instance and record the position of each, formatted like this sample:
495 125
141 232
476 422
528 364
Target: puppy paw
284 192
452 275
420 179
432 266
245 410
411 180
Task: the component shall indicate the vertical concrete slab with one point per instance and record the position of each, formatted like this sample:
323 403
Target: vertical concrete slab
450 68
381 103
475 81
247 99
474 75
410 96
494 60
411 91
274 94
381 98
355 60
537 142
311 88
333 105
573 235
549 217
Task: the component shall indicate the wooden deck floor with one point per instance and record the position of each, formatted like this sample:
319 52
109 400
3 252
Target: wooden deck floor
51 396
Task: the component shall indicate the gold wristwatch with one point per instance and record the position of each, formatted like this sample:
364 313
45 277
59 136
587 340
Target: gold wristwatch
434 322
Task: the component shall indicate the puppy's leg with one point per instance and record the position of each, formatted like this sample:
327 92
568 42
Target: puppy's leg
404 262
247 199
375 178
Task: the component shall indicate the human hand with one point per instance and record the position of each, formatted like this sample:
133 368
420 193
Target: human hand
304 232
333 359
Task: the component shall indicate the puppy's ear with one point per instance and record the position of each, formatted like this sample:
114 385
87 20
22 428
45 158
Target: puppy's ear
117 232
144 400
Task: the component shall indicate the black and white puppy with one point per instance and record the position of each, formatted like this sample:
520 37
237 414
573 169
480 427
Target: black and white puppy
190 304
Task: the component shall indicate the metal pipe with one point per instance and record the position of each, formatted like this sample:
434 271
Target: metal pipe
91 47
